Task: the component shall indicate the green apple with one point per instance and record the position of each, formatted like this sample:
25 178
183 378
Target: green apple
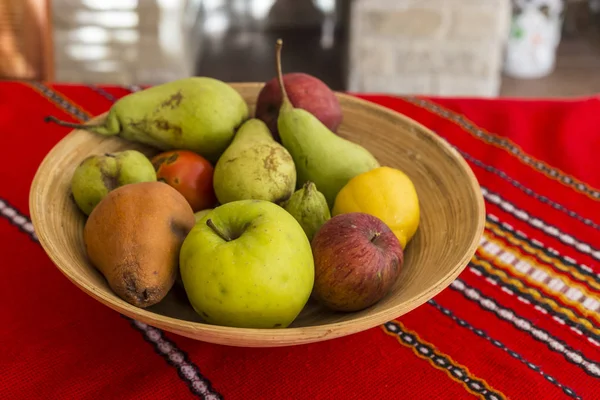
200 214
247 264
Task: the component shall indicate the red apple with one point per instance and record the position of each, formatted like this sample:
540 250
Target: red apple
357 261
306 92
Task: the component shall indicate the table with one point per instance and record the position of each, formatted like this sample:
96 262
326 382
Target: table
520 322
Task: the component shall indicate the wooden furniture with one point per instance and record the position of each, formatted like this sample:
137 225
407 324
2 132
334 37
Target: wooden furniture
26 45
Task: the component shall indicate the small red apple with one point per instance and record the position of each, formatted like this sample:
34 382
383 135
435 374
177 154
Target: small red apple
357 261
306 92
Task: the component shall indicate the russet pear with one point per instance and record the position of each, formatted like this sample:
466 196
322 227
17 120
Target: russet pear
133 237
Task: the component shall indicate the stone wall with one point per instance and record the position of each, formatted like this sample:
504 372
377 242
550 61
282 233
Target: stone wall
429 47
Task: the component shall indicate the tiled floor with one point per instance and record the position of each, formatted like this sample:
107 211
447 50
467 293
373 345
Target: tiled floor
152 41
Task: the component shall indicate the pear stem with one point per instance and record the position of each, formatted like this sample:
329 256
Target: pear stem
308 188
50 118
285 99
212 226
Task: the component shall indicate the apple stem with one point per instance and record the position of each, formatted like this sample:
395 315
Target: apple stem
375 236
212 226
285 99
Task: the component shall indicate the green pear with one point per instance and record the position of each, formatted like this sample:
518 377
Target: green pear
247 264
97 175
309 207
199 114
320 155
254 166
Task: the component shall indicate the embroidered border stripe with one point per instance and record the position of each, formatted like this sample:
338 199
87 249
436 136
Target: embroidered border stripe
174 356
526 190
60 100
16 218
540 224
195 381
541 276
507 145
177 358
440 361
573 356
544 304
103 93
481 333
580 272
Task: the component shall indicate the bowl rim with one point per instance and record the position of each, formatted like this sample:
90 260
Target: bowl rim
271 337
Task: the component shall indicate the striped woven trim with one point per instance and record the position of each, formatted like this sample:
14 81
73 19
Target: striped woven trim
573 356
483 334
455 371
507 145
186 369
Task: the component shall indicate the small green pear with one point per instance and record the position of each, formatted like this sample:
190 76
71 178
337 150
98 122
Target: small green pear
309 207
255 167
97 175
199 114
320 155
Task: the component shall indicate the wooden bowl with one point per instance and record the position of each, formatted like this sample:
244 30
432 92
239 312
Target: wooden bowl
452 222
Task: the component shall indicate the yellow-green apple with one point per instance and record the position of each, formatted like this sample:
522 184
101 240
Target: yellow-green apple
304 91
357 261
248 264
200 214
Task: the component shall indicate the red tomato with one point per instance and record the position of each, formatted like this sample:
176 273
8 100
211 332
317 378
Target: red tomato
190 174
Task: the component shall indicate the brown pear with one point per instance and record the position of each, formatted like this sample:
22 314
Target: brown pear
133 237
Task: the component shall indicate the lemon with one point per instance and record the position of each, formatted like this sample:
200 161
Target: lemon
386 193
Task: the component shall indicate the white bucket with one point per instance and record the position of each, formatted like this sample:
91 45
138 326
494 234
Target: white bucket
534 38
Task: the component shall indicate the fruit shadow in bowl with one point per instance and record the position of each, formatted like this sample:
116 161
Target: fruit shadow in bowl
451 223
176 304
430 182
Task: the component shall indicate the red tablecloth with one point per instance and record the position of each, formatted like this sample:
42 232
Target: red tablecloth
521 322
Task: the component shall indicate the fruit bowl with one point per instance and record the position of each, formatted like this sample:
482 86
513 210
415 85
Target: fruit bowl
451 224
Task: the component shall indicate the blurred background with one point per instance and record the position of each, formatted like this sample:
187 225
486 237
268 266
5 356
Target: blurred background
482 48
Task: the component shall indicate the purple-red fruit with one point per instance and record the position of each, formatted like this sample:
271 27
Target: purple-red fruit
306 92
357 261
